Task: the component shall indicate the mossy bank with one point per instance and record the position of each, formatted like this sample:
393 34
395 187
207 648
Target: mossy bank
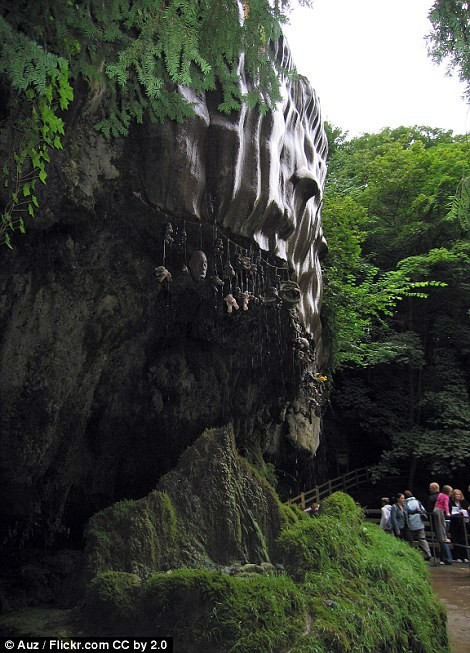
269 579
345 586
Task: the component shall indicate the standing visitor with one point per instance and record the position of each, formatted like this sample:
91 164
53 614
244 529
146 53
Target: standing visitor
398 516
458 523
415 514
434 490
441 512
385 520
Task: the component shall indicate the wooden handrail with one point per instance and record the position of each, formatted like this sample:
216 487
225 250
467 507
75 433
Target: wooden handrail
344 482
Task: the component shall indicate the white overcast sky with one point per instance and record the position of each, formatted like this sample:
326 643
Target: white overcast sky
367 60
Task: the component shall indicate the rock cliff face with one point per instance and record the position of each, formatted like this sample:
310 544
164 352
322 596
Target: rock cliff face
212 509
170 284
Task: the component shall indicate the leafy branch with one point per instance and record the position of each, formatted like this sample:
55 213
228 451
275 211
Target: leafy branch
42 83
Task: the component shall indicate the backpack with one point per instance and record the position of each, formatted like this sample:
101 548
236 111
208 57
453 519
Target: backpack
416 514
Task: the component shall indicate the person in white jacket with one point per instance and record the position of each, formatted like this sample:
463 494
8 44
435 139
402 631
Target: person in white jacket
385 521
416 513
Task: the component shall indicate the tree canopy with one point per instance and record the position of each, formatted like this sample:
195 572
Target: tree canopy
397 293
449 39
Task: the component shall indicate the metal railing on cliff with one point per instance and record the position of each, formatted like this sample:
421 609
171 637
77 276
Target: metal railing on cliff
344 483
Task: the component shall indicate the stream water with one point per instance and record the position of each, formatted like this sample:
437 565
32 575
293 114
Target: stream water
452 585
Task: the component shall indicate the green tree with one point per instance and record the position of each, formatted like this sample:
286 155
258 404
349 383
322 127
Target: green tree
370 183
449 39
449 42
399 266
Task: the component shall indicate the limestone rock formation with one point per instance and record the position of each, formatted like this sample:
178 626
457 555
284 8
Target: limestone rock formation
117 349
211 510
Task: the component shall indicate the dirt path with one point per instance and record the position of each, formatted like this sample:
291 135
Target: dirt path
452 585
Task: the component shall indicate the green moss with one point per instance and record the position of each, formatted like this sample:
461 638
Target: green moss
348 587
212 509
266 470
134 536
357 578
211 611
341 506
113 600
291 514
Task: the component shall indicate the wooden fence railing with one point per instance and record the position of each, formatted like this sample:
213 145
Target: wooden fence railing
345 482
355 479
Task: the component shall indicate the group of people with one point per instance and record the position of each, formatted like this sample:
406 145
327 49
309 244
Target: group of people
449 511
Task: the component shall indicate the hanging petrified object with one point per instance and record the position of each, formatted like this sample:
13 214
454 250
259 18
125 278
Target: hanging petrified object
302 343
198 265
244 298
182 237
162 274
237 262
231 303
218 247
228 270
168 233
302 349
304 357
242 263
272 296
246 262
289 292
216 282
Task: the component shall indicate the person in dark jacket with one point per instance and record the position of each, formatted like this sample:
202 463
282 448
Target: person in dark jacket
458 524
434 490
398 517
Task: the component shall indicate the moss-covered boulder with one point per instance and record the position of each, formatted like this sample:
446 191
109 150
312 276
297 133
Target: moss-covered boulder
213 509
204 610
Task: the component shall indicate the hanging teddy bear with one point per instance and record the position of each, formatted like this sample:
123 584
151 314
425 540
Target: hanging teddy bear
231 303
162 274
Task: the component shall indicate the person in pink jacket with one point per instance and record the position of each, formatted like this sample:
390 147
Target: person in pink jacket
441 512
